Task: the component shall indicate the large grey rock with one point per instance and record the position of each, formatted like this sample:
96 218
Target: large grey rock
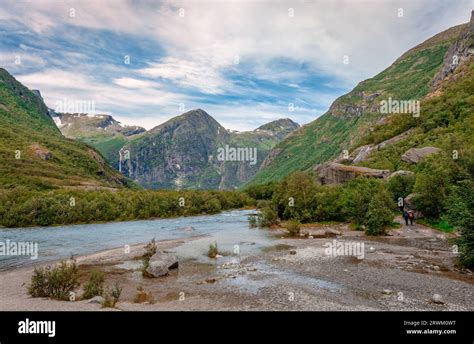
335 173
414 155
161 263
361 153
409 204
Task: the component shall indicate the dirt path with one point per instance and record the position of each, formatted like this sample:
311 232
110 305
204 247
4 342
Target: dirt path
401 271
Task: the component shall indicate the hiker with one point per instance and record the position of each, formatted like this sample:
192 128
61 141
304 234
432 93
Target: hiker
405 216
411 216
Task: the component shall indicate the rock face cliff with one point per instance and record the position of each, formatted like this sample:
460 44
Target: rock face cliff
194 151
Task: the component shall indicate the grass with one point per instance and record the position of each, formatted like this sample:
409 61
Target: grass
440 225
293 227
95 285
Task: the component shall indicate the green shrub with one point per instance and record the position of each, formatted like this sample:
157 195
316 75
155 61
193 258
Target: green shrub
432 185
380 213
22 207
293 227
263 204
213 251
295 197
267 217
401 186
466 244
261 192
252 221
356 197
459 205
95 285
54 281
111 296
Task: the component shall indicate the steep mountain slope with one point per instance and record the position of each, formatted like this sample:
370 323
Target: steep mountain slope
102 132
34 153
446 115
352 116
184 153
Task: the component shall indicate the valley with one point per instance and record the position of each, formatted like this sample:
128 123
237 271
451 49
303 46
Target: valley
367 207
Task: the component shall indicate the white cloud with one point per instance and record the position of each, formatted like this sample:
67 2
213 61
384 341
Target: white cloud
134 83
57 85
199 75
201 48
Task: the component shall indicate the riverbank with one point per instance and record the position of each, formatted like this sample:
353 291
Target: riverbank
24 208
401 271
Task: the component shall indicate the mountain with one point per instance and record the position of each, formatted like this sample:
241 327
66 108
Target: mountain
34 153
101 131
445 124
413 76
194 151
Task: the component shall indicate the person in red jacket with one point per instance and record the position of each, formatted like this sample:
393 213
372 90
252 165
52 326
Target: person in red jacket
411 216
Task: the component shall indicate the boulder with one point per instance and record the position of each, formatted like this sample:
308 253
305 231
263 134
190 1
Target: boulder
161 263
335 173
362 153
410 205
414 155
401 173
96 299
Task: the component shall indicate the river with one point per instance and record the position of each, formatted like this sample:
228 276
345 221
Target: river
228 229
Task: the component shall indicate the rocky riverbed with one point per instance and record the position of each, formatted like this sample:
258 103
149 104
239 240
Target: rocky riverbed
330 268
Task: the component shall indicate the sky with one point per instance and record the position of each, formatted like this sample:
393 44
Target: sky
244 62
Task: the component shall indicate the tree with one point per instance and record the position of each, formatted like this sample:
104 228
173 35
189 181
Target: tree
380 212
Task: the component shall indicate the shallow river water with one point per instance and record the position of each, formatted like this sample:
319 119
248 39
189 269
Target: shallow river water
228 229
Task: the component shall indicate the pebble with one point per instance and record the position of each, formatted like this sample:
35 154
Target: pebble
438 299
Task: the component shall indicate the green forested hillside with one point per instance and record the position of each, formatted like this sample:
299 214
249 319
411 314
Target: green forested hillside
353 115
33 152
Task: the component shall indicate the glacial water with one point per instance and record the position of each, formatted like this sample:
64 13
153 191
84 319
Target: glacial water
227 229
